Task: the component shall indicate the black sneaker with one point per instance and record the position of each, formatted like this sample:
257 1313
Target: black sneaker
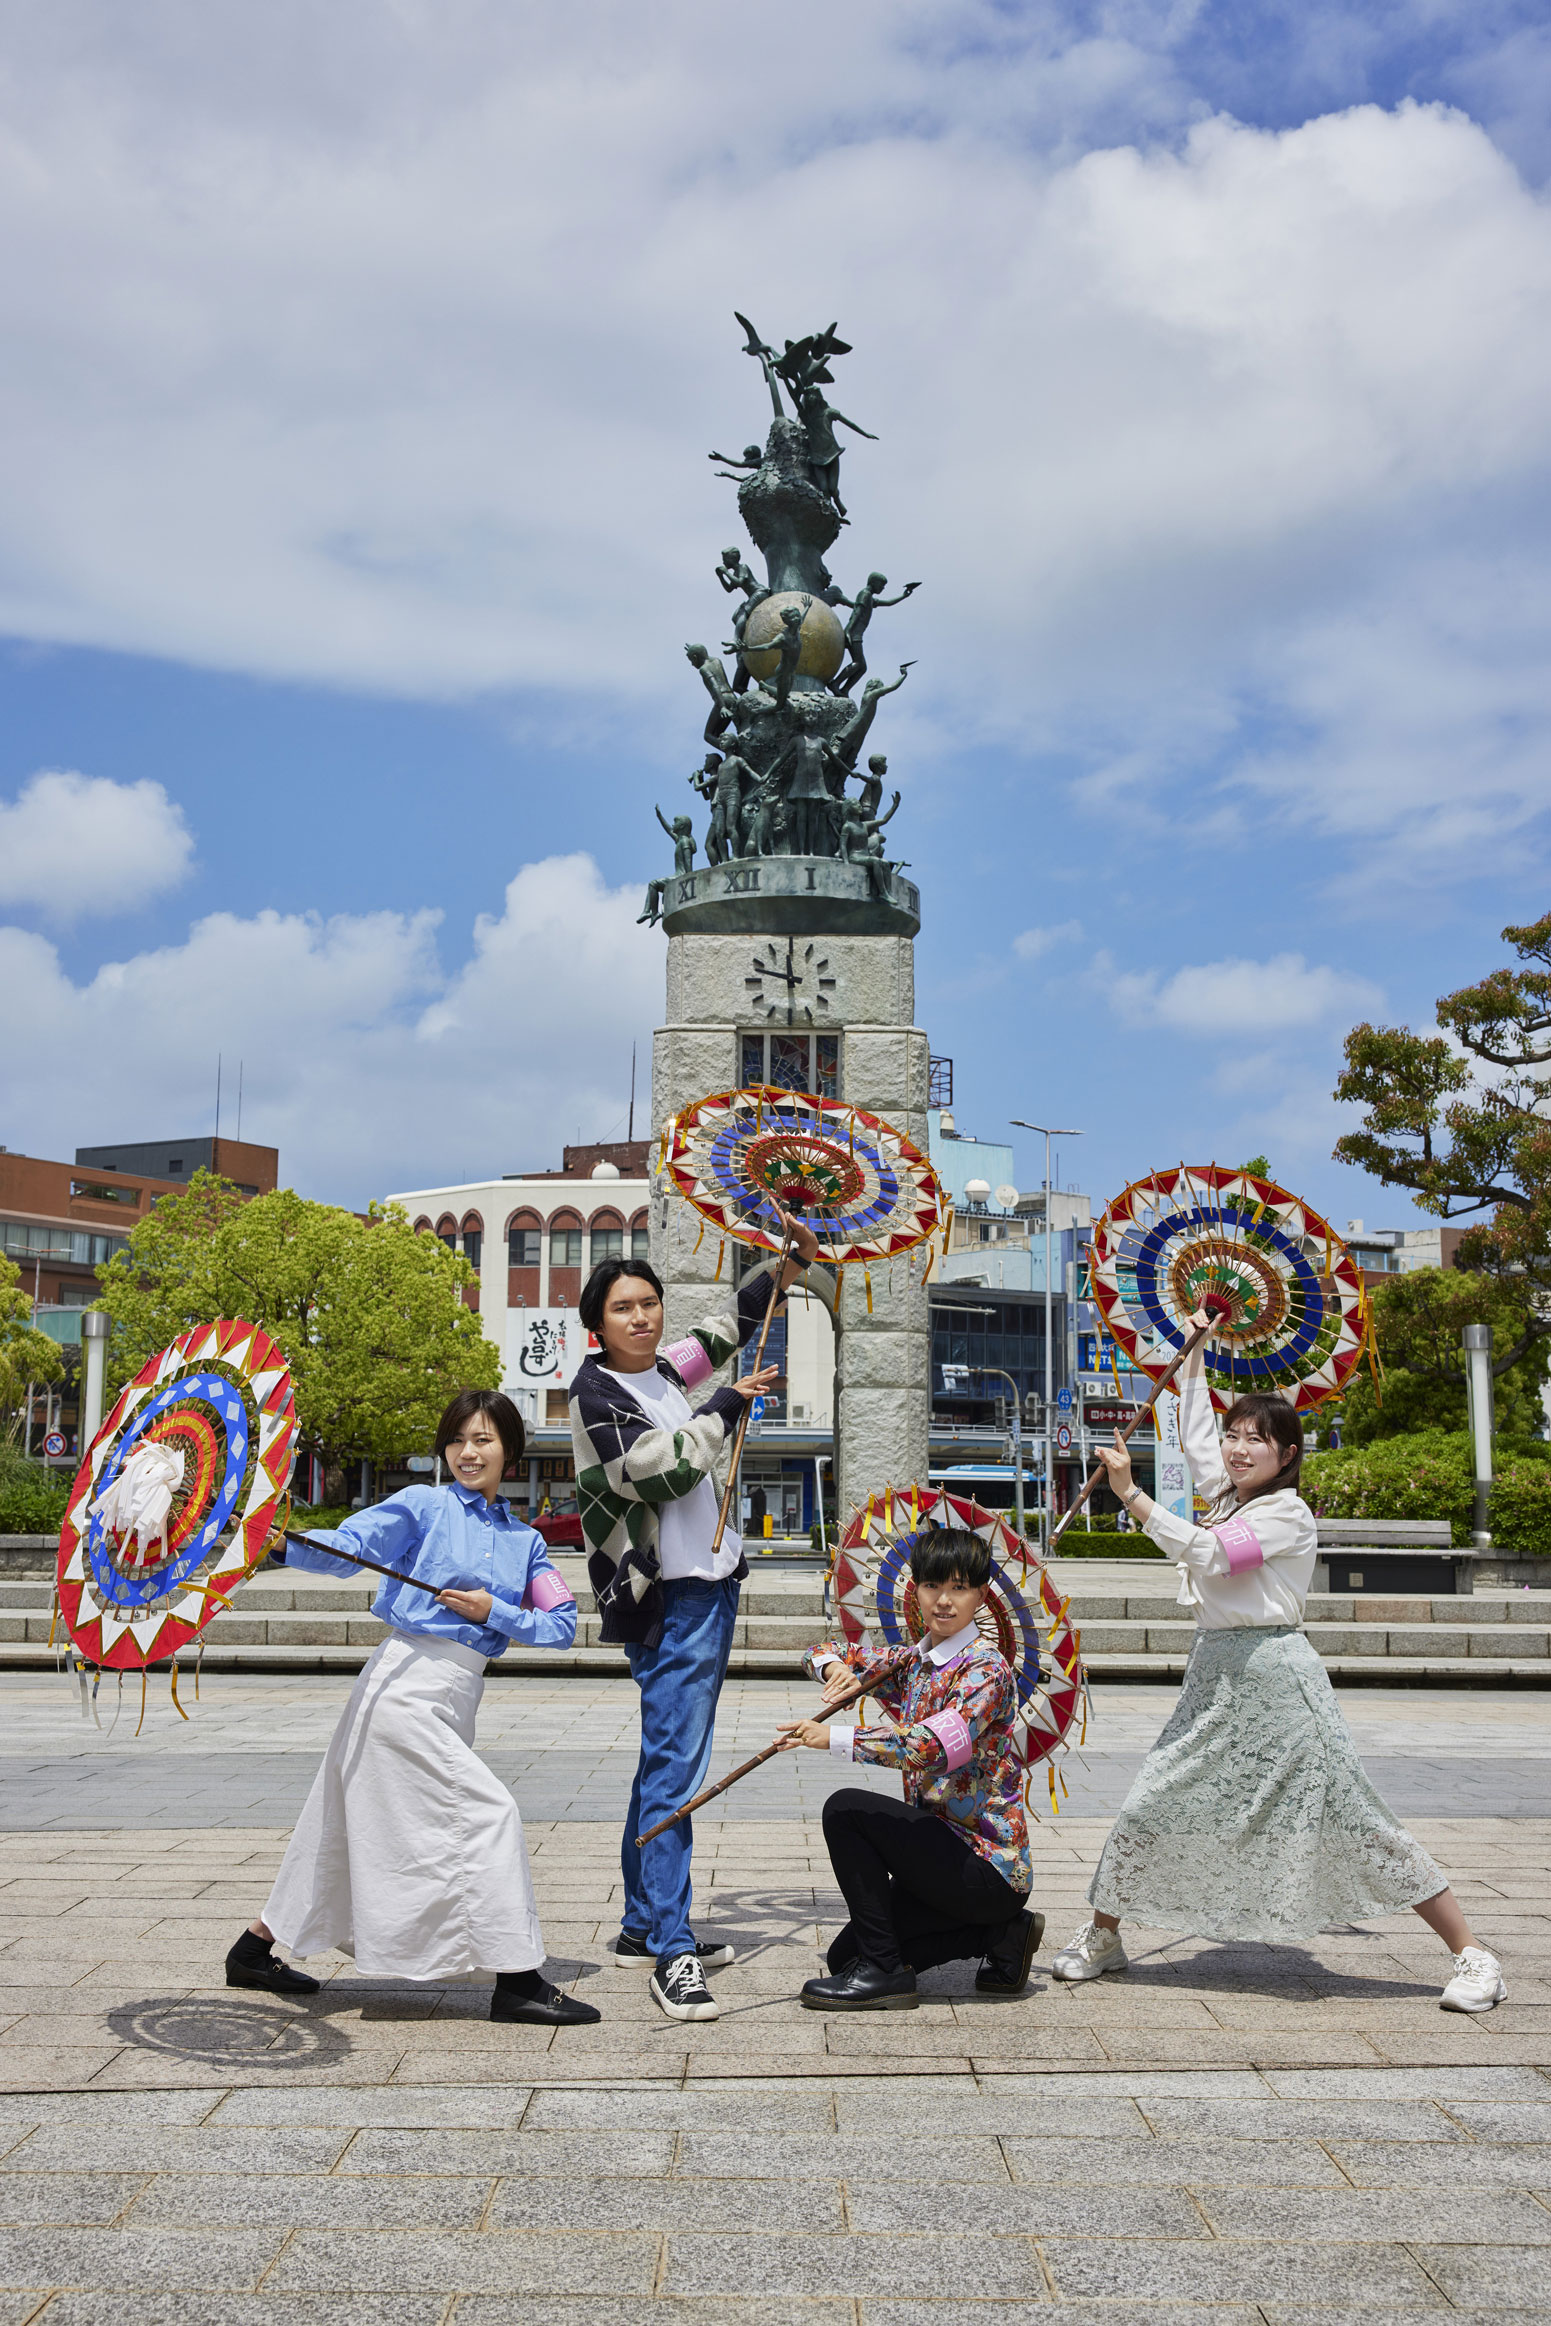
713 1954
251 1963
679 1986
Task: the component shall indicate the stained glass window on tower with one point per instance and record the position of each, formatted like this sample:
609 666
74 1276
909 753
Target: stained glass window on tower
791 1061
753 1060
826 1049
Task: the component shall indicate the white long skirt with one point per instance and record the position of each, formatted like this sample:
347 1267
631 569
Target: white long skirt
409 1854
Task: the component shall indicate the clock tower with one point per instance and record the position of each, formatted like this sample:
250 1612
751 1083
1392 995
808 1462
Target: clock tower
791 951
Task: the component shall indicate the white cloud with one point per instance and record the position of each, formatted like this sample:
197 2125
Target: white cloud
384 347
1237 997
368 1063
1032 943
72 844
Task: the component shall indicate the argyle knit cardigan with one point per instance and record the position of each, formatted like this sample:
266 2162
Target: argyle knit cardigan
627 1466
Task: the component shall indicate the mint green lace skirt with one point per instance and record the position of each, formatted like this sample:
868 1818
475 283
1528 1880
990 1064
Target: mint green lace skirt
1252 1816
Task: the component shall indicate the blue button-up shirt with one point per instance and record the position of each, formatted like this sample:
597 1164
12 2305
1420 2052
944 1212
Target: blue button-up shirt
450 1537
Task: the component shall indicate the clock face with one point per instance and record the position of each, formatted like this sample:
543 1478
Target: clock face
791 984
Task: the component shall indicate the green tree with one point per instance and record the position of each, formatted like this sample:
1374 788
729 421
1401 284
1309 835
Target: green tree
370 1316
1259 1167
26 1355
1455 1117
1418 1319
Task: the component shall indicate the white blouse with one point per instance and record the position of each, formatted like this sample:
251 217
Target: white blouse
1249 1564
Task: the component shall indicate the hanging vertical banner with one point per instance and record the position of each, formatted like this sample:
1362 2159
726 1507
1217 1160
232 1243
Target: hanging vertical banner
1171 1470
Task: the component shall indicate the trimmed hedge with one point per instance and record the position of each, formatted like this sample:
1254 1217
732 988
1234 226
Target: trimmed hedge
32 1500
1429 1474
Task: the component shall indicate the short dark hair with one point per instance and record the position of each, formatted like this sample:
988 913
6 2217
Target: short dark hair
1273 1419
947 1554
501 1412
601 1282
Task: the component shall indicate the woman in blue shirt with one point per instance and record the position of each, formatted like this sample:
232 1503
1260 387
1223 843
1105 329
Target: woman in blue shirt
409 1854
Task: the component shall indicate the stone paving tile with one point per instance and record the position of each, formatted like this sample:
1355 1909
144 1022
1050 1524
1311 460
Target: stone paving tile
1239 2271
693 2310
645 2155
1454 2083
654 2206
730 2108
313 2201
1051 2211
1477 2275
130 2309
1473 2217
972 2266
1303 2119
1326 2314
88 2199
1503 2120
1181 2163
476 2262
155 2259
1381 2164
924 2310
192 2148
847 2156
496 2106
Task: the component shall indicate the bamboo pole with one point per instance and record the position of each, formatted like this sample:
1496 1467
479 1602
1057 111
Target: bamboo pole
743 1419
1142 1411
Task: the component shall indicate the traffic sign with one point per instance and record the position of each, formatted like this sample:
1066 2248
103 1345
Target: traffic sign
1064 1400
1063 1438
54 1443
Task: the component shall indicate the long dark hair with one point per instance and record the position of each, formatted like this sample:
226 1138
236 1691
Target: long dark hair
601 1282
503 1415
1273 1419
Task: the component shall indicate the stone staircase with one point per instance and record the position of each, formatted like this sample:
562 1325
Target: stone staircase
1131 1627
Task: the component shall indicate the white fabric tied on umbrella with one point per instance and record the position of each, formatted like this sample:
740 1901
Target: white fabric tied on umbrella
135 1507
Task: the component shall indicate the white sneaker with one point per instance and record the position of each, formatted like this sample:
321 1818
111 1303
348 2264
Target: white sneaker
1090 1954
1477 1983
681 1990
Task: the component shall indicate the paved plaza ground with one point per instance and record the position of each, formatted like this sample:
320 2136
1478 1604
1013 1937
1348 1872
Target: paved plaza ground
1224 2133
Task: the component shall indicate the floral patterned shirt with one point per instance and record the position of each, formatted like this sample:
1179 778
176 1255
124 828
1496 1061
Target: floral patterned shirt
953 1742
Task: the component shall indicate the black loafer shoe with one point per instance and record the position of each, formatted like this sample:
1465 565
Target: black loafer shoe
863 1986
1005 1971
269 1973
549 2008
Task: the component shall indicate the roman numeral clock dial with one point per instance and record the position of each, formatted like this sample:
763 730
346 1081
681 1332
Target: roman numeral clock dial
794 987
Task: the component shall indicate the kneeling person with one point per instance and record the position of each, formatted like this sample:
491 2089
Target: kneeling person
944 1873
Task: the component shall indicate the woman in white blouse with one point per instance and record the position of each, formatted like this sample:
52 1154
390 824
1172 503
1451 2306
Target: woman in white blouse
1252 1816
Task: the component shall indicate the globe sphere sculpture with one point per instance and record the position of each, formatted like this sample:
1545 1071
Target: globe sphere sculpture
823 637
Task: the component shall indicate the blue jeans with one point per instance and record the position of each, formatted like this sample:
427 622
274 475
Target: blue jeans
679 1679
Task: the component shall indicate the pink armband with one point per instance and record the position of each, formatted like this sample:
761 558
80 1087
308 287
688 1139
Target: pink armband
689 1362
546 1589
1241 1545
952 1732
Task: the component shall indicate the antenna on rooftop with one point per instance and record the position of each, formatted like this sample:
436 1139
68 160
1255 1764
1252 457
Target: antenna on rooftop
630 1133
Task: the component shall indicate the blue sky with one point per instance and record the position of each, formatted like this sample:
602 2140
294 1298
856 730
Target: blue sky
354 512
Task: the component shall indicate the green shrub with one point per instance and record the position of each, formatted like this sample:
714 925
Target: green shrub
32 1499
1091 1544
1430 1474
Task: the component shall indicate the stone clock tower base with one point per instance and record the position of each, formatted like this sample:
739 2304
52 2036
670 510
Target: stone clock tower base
802 984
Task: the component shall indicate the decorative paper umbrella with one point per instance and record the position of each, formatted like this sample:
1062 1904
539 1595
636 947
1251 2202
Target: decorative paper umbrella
1290 1317
176 1499
865 1190
1023 1608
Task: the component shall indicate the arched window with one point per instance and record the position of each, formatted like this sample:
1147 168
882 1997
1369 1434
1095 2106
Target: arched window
565 1240
640 1237
472 1236
447 1231
524 1232
606 1237
422 1226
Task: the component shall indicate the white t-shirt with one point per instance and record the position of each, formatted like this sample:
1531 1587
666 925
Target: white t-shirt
684 1526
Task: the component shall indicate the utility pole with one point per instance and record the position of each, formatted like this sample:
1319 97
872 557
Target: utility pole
1050 1385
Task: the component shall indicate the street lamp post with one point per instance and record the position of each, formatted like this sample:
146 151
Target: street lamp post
1050 1387
1478 1398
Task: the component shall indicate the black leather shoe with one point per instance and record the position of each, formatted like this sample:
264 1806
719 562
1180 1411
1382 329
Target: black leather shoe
862 1986
548 2008
256 1966
1006 1968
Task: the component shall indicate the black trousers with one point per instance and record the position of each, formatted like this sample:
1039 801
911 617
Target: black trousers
917 1893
